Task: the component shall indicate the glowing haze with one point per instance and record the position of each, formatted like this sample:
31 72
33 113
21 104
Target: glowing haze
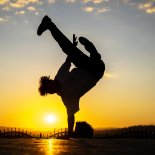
123 32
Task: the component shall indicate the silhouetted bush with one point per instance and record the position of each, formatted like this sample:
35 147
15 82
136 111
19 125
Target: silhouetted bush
83 130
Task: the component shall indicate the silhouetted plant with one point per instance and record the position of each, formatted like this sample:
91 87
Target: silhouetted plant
83 130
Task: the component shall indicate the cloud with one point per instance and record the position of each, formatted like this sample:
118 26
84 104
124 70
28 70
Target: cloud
145 5
148 7
18 4
26 21
70 1
88 9
93 1
86 1
110 75
150 10
97 1
102 10
2 2
31 8
20 12
22 3
2 19
100 6
96 6
36 13
6 8
51 1
19 7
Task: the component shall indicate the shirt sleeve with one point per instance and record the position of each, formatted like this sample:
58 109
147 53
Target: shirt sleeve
63 71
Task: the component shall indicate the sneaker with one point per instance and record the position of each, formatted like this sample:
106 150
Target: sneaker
44 25
87 44
89 47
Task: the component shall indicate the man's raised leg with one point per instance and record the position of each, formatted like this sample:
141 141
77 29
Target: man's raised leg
93 64
76 55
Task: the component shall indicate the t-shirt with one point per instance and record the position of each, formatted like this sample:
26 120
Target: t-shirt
74 84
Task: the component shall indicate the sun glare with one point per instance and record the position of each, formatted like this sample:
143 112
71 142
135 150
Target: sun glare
50 119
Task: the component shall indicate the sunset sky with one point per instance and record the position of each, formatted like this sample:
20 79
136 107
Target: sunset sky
123 31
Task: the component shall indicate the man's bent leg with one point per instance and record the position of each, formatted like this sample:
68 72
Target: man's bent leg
71 120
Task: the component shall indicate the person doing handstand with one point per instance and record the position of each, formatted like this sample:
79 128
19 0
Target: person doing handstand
71 85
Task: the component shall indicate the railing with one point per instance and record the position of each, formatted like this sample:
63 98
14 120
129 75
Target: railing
62 133
6 133
18 133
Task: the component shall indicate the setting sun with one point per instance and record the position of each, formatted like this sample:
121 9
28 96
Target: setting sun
50 119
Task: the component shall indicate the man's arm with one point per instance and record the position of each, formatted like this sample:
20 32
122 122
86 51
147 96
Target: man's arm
63 70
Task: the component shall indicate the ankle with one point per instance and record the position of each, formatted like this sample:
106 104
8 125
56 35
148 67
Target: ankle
51 25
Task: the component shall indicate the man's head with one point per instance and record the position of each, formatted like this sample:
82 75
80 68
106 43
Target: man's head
48 86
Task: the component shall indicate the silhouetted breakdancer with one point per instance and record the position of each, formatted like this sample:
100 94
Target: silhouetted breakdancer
71 85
